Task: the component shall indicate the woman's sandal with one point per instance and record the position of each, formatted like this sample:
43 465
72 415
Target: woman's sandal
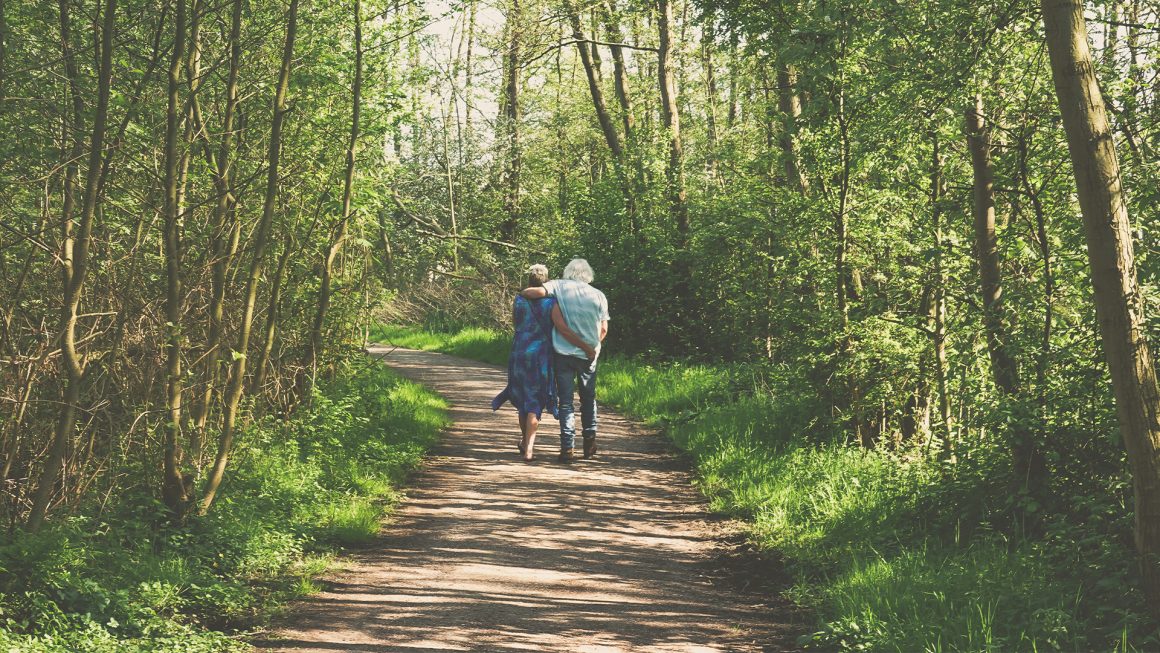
521 447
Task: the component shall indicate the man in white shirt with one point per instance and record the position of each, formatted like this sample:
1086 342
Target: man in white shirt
585 310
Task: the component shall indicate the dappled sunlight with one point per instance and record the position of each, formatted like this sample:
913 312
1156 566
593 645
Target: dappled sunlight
491 554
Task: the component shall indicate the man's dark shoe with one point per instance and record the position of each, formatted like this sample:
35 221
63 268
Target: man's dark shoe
566 456
589 447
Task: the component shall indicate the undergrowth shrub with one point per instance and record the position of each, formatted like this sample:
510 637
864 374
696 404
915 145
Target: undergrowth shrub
126 580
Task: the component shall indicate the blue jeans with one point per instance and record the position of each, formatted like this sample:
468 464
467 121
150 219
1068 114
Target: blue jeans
569 369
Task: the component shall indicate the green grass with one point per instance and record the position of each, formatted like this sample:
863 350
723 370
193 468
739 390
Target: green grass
892 551
296 491
487 345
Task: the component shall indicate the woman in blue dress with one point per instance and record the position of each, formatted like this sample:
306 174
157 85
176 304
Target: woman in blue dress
531 387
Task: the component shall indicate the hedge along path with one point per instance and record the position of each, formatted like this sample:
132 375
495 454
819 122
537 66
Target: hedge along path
489 553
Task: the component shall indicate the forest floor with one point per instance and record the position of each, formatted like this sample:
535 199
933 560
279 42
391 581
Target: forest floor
488 553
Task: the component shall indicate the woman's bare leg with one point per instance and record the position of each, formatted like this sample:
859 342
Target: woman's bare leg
532 423
523 432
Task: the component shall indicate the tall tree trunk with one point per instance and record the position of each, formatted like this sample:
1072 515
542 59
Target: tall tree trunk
562 162
1113 270
915 420
449 177
842 271
1043 363
261 240
3 50
939 306
791 108
270 332
76 240
173 489
224 234
711 93
1027 456
466 150
338 233
511 202
731 111
987 249
633 164
602 115
619 70
670 114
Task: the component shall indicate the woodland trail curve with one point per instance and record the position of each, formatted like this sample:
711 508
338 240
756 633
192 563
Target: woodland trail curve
488 553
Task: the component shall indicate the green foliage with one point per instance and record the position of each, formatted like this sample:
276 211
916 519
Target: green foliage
895 550
124 580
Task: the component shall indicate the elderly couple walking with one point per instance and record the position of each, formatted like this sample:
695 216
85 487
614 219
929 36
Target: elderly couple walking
559 325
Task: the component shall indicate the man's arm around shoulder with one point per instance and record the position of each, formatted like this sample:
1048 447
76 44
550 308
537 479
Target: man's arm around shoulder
539 292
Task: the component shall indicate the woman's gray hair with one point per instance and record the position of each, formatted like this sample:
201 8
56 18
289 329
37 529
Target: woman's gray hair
579 270
537 274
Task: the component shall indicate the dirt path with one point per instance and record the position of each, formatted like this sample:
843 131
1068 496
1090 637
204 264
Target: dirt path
491 554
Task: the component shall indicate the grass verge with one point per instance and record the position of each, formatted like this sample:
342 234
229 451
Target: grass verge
893 551
487 345
122 580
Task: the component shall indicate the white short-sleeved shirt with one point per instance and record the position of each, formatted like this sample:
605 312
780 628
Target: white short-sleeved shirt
584 308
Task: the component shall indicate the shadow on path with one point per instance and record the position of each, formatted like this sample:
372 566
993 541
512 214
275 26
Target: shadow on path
491 554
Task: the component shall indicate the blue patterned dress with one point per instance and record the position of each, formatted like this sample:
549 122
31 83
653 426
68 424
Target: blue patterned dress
530 387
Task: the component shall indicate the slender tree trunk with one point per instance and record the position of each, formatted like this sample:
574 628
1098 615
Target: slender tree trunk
1029 465
631 161
1135 73
939 307
731 111
449 176
1113 270
236 384
3 50
1044 360
388 253
597 61
711 93
670 113
769 125
562 162
173 489
987 249
338 233
791 108
602 115
468 80
915 421
223 239
510 226
262 366
843 275
75 247
619 70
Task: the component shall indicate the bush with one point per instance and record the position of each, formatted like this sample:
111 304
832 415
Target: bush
125 581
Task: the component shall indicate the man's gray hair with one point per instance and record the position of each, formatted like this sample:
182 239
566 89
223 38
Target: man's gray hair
579 270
